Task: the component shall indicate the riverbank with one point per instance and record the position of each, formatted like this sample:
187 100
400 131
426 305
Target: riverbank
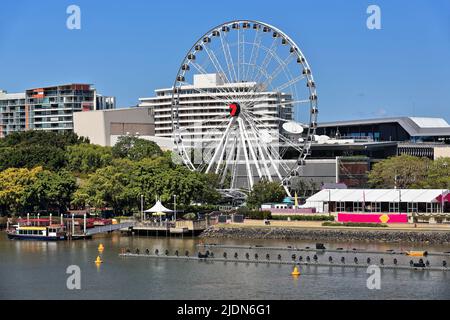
316 233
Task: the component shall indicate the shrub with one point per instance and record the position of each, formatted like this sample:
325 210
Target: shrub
257 215
353 224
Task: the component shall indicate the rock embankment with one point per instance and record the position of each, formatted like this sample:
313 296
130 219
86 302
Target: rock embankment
429 237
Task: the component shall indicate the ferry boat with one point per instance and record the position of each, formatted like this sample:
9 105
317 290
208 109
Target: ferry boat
47 233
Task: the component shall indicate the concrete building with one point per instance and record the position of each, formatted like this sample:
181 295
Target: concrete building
104 127
13 115
402 129
49 108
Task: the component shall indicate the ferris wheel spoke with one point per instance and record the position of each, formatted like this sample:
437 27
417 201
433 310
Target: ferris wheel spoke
252 151
281 66
224 90
216 64
267 59
255 53
228 58
244 147
279 136
266 147
229 159
200 69
213 97
289 83
219 163
227 52
219 146
261 153
239 53
193 124
255 103
236 162
272 149
220 70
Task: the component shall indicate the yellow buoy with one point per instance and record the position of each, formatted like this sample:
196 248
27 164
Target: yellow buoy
417 253
98 260
101 247
295 273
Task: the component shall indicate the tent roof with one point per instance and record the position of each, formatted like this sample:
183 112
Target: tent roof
378 195
158 207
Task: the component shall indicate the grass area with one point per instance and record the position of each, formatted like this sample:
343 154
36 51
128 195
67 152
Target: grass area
352 224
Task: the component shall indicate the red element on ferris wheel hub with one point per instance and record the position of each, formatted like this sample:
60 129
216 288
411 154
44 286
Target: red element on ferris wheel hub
235 109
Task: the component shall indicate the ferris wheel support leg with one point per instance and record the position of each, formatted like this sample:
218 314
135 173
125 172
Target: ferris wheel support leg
252 152
229 158
222 154
287 191
275 166
234 168
247 163
225 134
266 168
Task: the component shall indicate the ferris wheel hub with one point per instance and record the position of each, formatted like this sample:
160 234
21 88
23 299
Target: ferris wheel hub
235 109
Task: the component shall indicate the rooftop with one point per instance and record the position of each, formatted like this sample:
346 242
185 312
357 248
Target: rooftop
378 195
414 126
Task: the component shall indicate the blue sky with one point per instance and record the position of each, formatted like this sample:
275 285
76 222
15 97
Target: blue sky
129 48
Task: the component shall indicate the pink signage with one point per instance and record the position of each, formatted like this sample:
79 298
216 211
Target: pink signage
373 217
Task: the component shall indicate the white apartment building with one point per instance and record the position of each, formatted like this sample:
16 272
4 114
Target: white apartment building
203 104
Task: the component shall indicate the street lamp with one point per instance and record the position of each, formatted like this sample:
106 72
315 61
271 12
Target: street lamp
142 208
175 207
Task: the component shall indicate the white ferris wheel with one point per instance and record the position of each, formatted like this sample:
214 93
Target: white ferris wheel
244 105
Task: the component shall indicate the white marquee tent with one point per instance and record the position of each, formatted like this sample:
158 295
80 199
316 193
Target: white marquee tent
376 196
158 210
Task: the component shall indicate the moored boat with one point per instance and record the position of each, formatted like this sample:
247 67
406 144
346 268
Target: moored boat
47 233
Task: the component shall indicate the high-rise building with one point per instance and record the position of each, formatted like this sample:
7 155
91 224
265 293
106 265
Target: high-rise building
13 116
49 108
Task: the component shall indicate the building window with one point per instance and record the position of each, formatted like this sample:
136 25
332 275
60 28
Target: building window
433 207
340 206
394 207
375 206
357 207
412 207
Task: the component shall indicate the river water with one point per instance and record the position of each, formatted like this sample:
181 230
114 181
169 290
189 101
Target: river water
37 270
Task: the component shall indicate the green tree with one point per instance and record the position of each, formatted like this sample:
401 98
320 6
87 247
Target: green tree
121 184
106 187
53 191
15 189
87 158
135 149
265 192
31 156
402 172
438 175
30 149
34 137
